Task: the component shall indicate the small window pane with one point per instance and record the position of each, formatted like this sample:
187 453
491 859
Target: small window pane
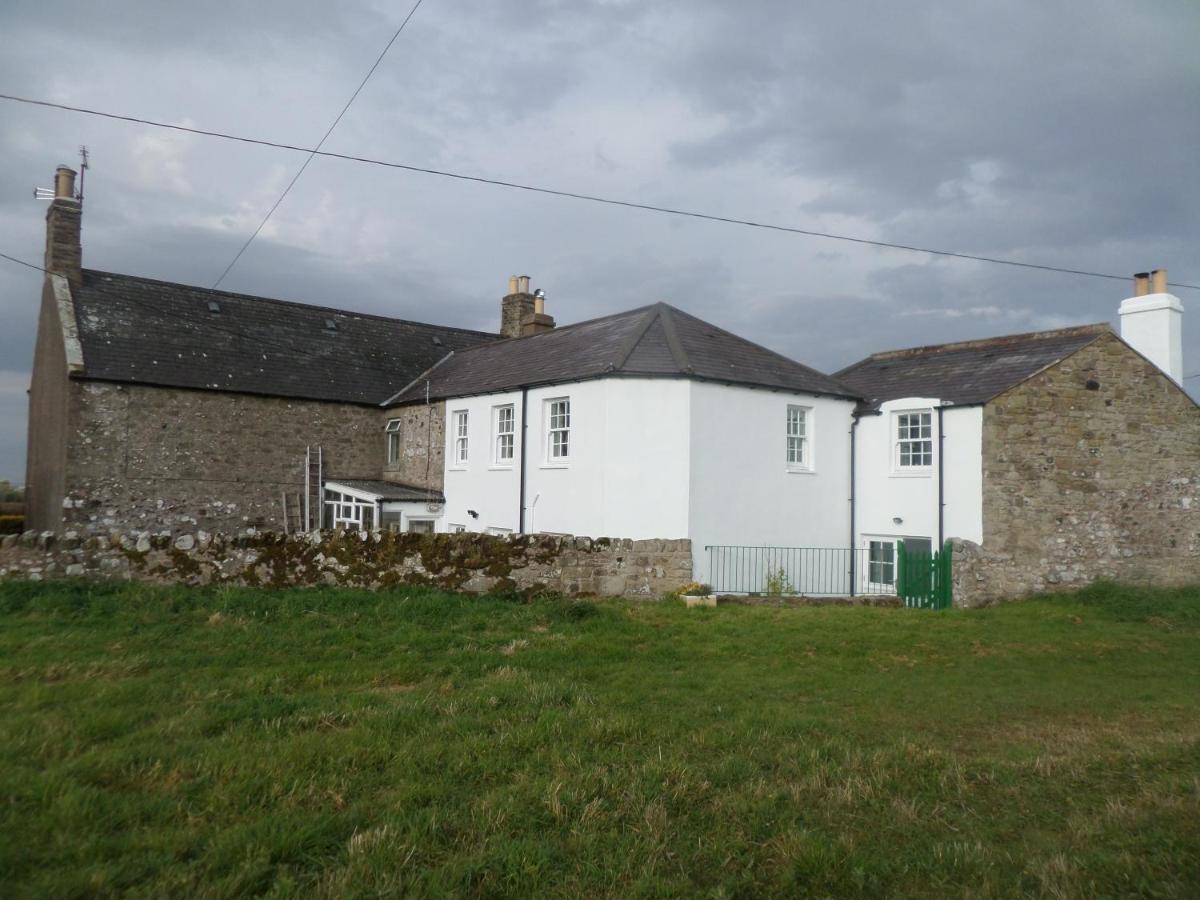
460 437
505 433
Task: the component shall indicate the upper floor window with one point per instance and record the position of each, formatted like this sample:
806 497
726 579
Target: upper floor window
798 453
393 441
914 440
558 429
459 426
505 434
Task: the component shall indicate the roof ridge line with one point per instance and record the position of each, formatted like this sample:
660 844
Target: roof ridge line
975 343
631 343
787 359
416 380
678 353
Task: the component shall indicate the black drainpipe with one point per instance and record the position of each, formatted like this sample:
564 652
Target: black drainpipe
524 435
853 536
941 482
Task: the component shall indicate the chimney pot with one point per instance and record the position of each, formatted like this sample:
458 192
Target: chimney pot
64 183
1158 281
539 304
1141 284
512 285
522 284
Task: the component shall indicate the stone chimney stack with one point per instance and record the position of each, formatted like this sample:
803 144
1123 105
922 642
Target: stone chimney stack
537 321
523 313
64 252
1152 323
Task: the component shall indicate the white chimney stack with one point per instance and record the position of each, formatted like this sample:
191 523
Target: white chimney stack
1152 323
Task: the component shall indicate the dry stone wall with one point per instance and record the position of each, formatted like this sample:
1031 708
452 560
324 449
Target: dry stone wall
474 563
1091 470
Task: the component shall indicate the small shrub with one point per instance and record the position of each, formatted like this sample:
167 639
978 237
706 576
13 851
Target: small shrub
778 584
12 524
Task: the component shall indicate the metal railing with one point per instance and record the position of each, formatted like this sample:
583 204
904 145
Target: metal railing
798 571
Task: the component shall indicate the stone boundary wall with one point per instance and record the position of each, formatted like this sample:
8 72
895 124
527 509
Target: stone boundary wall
982 577
474 563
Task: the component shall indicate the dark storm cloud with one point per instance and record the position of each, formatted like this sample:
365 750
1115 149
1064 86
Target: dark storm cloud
1056 133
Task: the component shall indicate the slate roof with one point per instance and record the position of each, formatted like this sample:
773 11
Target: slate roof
970 372
155 332
657 340
388 490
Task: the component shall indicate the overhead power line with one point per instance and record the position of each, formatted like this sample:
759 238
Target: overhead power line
320 144
21 262
573 195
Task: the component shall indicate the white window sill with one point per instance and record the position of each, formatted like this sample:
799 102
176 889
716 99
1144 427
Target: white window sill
792 470
555 465
501 467
456 468
916 473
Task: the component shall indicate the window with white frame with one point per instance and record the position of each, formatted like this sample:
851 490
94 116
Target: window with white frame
459 430
393 441
558 429
347 512
881 562
505 435
798 452
914 440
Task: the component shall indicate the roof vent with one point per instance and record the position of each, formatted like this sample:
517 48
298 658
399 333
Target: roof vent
437 341
214 306
330 325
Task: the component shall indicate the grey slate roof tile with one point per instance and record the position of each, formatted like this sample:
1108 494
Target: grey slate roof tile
965 373
388 490
155 332
657 340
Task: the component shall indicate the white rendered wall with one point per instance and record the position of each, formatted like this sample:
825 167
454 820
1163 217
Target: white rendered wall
886 493
742 490
489 488
1153 326
963 473
627 475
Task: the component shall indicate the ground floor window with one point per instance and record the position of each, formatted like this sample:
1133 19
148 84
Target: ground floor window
420 526
881 559
881 562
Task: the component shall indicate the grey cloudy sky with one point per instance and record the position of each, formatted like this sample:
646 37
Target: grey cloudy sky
1051 132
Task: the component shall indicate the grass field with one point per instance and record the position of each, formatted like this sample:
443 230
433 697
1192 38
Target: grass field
224 742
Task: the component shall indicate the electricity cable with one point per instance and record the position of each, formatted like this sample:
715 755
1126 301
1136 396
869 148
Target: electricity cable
320 144
591 198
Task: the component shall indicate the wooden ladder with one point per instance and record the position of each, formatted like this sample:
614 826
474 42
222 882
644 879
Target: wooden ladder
293 513
314 488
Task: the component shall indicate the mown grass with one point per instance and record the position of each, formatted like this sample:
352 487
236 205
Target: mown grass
227 742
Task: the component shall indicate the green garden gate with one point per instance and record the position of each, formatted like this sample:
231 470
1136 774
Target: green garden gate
923 579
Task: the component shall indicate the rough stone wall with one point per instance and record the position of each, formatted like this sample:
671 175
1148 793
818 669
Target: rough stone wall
574 566
1091 470
422 445
514 310
165 458
46 441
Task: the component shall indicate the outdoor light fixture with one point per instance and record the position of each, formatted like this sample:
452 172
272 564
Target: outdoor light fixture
896 520
472 514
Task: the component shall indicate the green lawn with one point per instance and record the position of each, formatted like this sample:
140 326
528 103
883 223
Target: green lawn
173 742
